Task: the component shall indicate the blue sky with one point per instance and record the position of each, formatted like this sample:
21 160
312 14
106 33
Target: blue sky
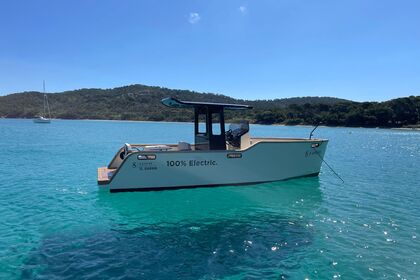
360 50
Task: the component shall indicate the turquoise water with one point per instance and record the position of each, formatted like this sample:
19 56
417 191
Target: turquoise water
57 224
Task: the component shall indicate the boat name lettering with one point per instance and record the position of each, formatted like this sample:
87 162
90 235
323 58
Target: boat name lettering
234 155
310 153
185 163
144 166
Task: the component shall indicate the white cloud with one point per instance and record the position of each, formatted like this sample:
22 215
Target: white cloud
242 9
194 18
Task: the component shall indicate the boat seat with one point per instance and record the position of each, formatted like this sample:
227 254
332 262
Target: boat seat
184 146
235 132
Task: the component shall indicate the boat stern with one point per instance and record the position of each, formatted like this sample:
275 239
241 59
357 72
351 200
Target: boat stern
104 175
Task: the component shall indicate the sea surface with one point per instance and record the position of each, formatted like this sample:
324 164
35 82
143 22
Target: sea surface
56 223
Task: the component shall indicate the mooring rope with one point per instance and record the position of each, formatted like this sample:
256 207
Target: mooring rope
336 174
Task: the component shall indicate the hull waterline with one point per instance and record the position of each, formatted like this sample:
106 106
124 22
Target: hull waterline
42 120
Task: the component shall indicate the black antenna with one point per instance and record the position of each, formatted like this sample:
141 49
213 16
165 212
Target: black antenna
312 132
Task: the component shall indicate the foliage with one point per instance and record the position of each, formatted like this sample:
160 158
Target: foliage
394 113
139 102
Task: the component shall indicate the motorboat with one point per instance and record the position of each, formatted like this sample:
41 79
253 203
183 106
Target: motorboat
218 156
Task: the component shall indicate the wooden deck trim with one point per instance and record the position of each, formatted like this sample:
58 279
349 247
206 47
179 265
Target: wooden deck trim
103 177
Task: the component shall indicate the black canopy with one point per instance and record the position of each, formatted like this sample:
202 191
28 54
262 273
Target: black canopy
173 102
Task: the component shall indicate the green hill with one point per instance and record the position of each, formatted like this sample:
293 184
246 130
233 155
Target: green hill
135 102
139 102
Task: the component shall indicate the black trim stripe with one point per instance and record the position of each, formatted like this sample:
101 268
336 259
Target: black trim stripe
204 186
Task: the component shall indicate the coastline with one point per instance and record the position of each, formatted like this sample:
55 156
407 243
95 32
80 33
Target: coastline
407 128
410 128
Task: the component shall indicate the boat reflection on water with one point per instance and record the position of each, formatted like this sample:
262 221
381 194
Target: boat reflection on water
194 205
258 231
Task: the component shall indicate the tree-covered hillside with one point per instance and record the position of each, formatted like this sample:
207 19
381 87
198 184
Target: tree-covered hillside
398 112
135 102
139 102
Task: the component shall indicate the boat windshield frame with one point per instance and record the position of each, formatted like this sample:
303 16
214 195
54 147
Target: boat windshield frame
213 113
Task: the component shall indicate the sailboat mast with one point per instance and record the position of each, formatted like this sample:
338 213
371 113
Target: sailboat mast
46 101
48 107
43 85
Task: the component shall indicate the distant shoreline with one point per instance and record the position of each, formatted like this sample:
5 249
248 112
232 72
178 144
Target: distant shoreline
177 122
407 128
144 103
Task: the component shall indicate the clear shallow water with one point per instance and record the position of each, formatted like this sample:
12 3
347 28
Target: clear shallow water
57 224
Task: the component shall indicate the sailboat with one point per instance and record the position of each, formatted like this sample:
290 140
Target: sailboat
43 118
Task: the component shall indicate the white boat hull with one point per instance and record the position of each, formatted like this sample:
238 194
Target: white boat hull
42 120
262 162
